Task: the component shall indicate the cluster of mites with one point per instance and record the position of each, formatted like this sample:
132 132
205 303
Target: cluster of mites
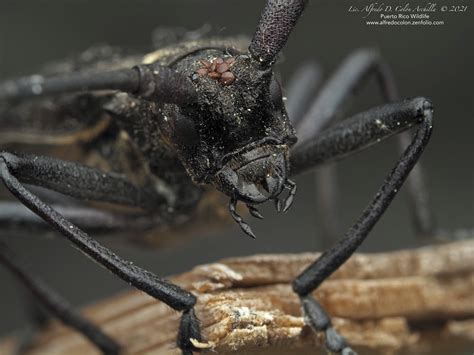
218 69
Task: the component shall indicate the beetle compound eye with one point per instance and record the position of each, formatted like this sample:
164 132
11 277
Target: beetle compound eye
184 134
276 94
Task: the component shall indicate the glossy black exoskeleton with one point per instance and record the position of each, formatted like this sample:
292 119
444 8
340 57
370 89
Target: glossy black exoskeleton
160 133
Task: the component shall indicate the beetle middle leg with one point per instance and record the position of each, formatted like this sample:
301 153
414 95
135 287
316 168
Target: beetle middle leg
55 305
327 108
301 90
87 183
40 299
349 136
15 216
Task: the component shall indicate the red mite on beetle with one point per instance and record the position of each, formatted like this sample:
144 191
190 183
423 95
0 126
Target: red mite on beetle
218 69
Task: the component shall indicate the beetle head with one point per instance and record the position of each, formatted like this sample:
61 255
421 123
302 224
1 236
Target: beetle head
244 129
237 134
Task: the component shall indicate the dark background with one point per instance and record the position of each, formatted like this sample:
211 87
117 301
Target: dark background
431 61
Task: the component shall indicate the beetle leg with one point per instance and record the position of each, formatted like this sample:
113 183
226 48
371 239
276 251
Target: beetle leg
301 90
189 331
55 304
352 135
81 181
16 216
51 174
327 107
327 203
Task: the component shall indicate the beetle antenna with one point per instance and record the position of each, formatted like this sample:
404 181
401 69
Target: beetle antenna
151 82
274 27
244 226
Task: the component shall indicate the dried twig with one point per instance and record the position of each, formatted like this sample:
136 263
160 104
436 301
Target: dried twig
410 301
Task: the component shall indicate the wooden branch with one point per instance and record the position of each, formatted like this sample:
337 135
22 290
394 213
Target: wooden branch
409 301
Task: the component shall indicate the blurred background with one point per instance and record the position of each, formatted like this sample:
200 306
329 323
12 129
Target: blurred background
433 61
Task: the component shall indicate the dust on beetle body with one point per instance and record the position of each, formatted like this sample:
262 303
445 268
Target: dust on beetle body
234 137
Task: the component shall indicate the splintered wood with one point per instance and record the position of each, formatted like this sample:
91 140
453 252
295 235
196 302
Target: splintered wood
411 301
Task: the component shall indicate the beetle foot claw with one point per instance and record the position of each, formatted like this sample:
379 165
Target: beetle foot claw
254 212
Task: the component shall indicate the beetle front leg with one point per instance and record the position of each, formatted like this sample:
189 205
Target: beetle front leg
349 136
76 180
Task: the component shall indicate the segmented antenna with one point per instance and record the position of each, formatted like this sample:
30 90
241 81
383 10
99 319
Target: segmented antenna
152 82
274 27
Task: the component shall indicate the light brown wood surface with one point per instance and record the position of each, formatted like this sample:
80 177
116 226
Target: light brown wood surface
411 301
